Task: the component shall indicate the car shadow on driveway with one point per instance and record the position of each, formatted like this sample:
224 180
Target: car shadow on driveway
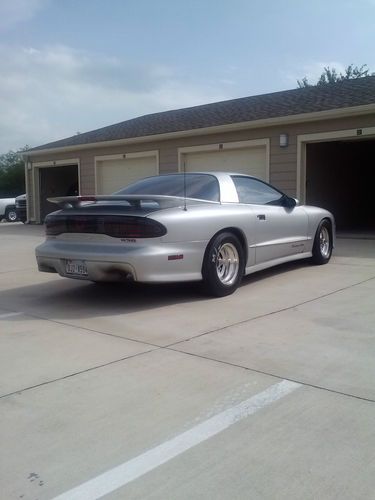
74 299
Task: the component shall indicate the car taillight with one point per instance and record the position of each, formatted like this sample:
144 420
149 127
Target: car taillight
115 226
54 226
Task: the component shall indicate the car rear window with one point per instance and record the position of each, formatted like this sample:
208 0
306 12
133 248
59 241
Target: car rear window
199 186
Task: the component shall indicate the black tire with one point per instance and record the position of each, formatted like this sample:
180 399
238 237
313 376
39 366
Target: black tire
223 265
322 247
11 214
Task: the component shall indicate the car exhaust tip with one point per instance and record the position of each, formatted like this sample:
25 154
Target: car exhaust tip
118 275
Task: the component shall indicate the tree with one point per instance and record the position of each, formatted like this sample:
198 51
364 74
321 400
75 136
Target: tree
330 75
12 174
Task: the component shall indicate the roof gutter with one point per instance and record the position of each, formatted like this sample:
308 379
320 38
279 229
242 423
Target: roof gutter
266 122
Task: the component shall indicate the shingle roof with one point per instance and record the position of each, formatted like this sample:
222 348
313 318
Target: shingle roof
343 94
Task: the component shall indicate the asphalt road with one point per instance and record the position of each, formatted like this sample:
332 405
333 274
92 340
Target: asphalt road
158 392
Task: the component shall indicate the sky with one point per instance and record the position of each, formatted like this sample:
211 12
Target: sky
69 66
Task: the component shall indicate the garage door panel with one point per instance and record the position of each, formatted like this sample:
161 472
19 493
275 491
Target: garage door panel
251 161
113 175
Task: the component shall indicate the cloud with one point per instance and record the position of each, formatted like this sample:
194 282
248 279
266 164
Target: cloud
53 92
13 12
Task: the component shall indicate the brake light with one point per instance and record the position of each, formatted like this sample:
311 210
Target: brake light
114 226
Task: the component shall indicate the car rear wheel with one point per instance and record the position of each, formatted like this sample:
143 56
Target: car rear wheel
223 265
322 248
11 214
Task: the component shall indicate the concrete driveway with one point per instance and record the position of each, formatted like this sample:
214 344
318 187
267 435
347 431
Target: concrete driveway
134 392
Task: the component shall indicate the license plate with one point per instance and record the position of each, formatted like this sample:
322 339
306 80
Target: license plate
76 267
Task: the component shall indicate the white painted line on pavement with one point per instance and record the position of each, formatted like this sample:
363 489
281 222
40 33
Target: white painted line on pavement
129 471
9 315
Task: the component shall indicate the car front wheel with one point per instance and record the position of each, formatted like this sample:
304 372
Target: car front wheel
223 265
322 248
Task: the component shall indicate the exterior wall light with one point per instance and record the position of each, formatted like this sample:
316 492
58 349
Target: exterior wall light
284 140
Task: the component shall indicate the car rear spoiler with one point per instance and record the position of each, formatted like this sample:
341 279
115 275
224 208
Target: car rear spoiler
134 200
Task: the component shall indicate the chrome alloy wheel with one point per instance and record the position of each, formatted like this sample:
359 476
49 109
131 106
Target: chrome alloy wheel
227 264
324 241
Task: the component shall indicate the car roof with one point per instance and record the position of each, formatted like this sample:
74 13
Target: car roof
218 174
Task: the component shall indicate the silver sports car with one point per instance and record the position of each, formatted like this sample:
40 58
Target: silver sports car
214 227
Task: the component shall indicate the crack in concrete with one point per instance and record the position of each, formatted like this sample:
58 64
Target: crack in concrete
265 315
17 270
70 375
169 347
273 375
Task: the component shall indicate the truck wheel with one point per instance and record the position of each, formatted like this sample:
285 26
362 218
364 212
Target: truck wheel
11 214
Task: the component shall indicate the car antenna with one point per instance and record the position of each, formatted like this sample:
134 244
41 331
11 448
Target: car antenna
185 208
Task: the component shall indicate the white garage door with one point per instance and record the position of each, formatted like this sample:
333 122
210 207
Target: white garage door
251 161
112 175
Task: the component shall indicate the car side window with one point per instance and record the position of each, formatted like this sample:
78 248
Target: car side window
251 190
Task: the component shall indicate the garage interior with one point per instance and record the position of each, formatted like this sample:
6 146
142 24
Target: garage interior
56 181
340 178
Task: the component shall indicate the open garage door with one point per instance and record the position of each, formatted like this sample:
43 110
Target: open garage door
246 160
56 181
339 177
112 174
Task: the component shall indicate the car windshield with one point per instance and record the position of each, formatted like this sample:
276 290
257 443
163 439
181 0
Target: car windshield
199 186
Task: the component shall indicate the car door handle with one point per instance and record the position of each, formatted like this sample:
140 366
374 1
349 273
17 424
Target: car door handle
261 217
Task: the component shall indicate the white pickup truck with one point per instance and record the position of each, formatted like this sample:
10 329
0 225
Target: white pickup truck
8 209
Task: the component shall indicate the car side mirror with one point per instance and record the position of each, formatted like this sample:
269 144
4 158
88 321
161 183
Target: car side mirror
289 202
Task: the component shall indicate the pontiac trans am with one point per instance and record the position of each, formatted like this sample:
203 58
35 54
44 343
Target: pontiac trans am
215 227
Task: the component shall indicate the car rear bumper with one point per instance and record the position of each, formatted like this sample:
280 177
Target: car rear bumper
156 263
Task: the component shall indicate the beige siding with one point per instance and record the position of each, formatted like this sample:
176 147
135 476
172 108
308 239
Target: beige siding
283 161
283 164
168 158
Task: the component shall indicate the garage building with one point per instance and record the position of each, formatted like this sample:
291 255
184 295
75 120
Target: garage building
315 143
